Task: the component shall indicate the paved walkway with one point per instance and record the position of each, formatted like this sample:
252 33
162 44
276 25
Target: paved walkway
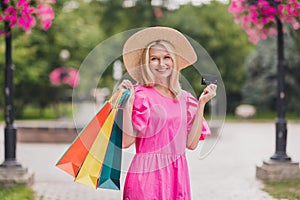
228 173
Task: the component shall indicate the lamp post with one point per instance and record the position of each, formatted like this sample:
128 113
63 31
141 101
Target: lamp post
253 15
281 128
281 124
9 132
11 172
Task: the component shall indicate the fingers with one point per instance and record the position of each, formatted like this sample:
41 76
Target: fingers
211 89
126 84
208 93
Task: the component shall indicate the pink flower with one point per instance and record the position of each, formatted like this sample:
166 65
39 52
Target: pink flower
272 31
63 75
47 1
26 13
2 32
259 20
10 16
46 15
25 19
21 3
73 77
295 24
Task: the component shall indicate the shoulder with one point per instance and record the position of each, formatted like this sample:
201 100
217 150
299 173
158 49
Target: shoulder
189 98
142 90
141 93
138 88
141 99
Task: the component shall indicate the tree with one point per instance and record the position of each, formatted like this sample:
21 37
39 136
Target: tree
262 73
23 14
117 18
259 17
212 26
34 59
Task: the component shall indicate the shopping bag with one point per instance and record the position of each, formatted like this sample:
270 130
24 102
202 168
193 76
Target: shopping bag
111 169
91 167
76 153
74 156
93 163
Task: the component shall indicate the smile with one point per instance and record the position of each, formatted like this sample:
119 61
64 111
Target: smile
162 69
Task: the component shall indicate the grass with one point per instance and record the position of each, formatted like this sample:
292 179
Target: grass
266 116
51 112
288 190
61 109
48 113
18 192
31 112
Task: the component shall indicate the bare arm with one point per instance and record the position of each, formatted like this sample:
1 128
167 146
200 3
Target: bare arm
196 129
128 131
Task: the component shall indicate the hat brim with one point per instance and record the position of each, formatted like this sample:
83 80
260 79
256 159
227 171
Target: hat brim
135 45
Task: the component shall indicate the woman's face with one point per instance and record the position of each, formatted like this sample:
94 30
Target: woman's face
160 62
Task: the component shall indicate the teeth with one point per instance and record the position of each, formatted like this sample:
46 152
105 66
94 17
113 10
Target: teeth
162 70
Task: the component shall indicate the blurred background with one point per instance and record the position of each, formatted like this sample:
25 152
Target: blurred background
46 64
248 71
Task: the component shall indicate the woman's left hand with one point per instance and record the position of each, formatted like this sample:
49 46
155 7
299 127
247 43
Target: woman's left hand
208 93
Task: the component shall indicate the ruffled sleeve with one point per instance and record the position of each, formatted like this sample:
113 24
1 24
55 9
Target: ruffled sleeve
140 111
192 104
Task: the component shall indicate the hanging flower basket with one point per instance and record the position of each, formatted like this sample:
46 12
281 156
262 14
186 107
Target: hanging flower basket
258 17
26 13
65 75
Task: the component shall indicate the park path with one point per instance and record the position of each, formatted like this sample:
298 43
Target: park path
228 173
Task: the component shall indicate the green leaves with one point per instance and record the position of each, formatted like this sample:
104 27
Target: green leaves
82 28
213 27
261 84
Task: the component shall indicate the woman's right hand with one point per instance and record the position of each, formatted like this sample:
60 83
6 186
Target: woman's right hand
126 84
128 132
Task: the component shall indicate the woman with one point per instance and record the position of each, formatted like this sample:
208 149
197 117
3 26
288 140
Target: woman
160 118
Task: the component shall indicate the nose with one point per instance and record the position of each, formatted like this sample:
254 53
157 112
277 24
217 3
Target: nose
162 62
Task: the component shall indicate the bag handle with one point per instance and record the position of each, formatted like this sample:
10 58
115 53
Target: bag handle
116 97
124 99
119 98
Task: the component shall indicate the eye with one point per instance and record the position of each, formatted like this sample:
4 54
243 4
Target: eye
153 59
167 57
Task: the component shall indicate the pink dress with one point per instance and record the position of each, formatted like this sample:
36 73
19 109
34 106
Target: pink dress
159 170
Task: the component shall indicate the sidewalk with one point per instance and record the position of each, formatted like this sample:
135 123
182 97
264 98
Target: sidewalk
228 173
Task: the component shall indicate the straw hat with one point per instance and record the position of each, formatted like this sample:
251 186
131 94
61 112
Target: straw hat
135 45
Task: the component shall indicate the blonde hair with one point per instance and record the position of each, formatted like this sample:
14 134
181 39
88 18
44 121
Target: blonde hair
147 75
